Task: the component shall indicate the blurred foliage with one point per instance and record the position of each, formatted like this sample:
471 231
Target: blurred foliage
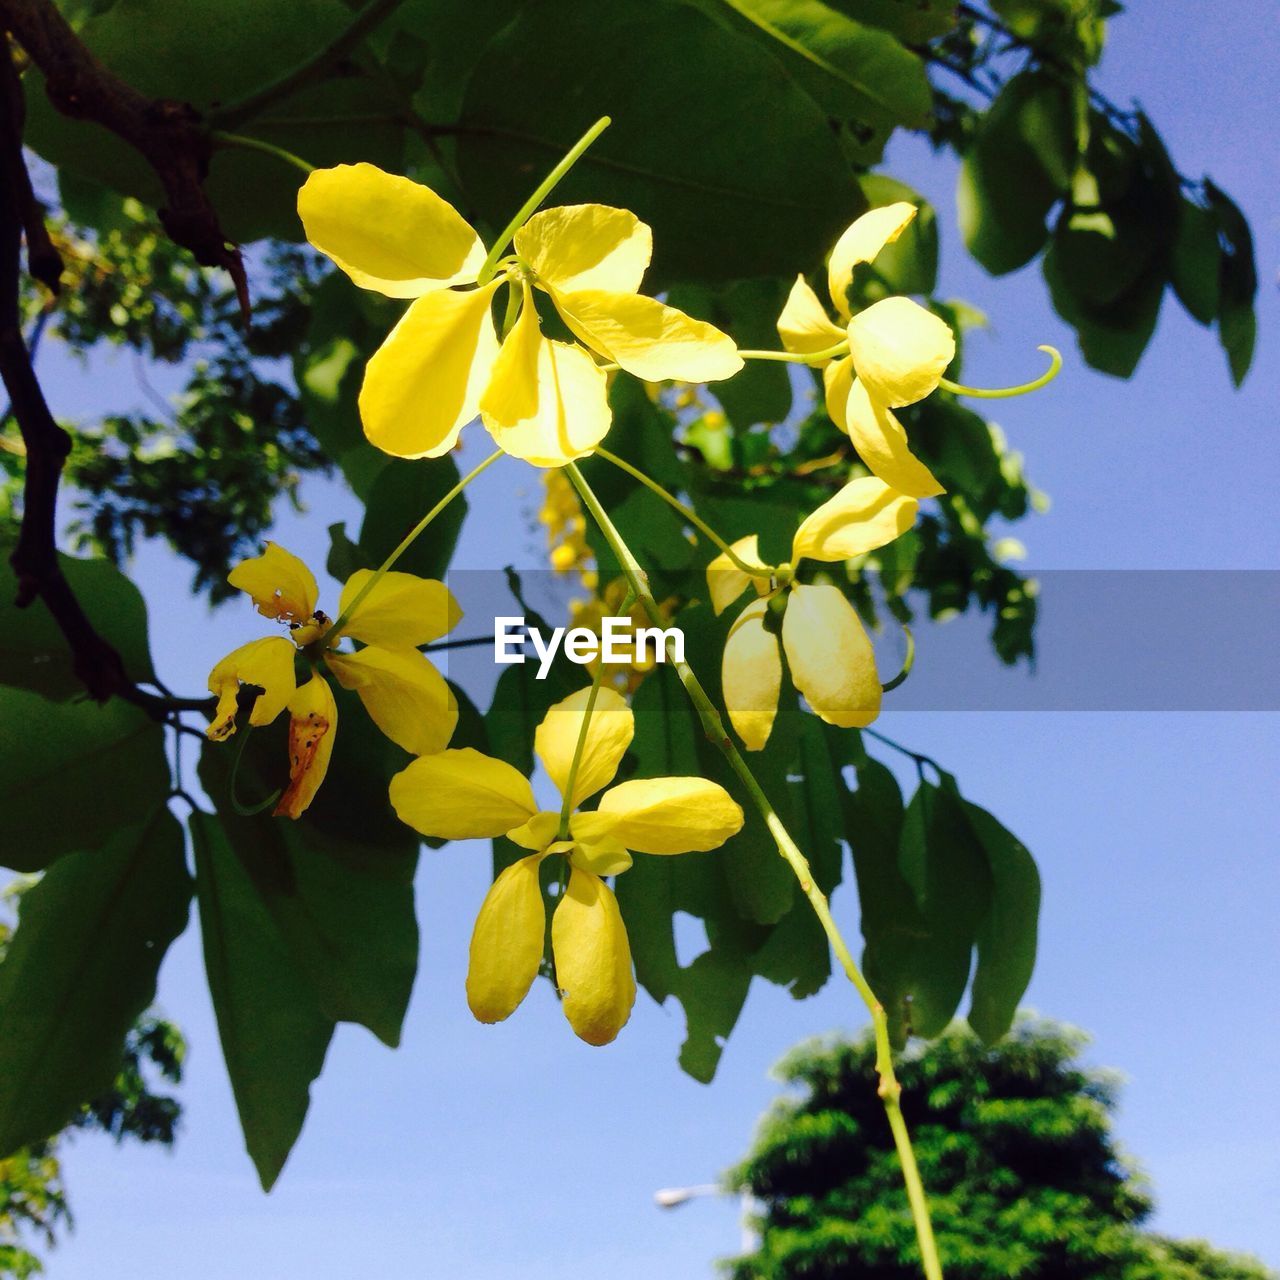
748 133
1014 1143
34 1204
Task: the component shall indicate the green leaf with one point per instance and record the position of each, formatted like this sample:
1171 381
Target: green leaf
1237 324
72 774
723 202
273 1033
1019 165
338 882
401 495
913 22
1197 262
713 990
1007 934
80 970
33 651
852 71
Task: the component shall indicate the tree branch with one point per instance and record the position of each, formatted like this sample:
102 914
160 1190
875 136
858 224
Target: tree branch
35 557
169 135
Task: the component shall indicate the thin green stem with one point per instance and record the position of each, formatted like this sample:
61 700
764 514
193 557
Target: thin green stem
566 804
334 633
544 189
890 1091
515 301
256 144
1003 393
799 357
312 68
755 570
908 661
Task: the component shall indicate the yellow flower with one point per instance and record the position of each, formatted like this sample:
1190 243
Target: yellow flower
541 400
463 795
407 698
828 652
898 353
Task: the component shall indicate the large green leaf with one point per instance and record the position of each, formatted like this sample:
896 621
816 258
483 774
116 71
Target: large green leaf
33 652
725 197
1007 934
914 21
339 881
80 969
72 774
853 72
274 1035
1018 166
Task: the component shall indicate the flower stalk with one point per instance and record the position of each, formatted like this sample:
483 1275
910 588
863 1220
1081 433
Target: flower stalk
889 1090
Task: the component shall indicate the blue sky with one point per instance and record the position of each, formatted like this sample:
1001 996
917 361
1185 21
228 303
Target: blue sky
492 1152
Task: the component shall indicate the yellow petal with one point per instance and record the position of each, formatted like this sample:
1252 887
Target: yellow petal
865 514
423 385
803 325
671 815
268 664
280 584
751 676
506 944
405 696
602 857
899 350
830 657
881 443
647 338
313 722
837 378
571 414
538 833
402 611
608 737
725 581
461 794
860 243
512 393
586 246
386 232
593 958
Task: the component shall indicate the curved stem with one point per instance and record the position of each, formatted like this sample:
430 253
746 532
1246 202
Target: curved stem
334 634
544 189
256 144
1003 393
755 570
890 1090
566 803
799 357
908 661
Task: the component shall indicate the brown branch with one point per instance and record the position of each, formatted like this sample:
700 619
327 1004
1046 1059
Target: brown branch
35 557
170 135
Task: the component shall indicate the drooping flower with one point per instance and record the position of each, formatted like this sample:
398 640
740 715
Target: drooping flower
898 352
462 794
541 399
828 651
406 697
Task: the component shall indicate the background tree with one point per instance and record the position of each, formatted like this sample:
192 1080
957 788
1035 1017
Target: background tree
1014 1141
33 1195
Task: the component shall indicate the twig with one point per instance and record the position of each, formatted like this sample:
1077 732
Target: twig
170 135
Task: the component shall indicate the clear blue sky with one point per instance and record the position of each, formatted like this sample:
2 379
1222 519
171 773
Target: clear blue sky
517 1151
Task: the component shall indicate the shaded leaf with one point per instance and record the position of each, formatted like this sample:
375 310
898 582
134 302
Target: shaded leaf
273 1033
72 774
80 969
